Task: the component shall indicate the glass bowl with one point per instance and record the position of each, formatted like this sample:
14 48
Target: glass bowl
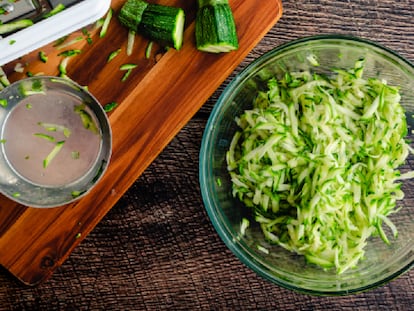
382 262
56 141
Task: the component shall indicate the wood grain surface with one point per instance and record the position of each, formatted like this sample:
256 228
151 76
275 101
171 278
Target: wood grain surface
156 248
154 103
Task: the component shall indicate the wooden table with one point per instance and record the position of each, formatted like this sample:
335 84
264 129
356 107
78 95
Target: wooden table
156 248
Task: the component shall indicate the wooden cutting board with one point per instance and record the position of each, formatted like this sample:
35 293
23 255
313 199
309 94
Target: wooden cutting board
154 103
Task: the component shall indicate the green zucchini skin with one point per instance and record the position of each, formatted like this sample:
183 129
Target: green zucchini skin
163 24
160 23
131 12
215 28
14 26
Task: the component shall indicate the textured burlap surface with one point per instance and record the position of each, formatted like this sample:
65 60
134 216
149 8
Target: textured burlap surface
157 249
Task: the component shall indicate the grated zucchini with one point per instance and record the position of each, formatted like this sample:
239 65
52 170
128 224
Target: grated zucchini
317 158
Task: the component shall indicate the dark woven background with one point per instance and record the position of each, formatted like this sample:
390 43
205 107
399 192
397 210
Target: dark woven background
156 249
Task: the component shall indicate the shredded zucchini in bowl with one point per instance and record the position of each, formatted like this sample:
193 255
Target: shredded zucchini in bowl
317 158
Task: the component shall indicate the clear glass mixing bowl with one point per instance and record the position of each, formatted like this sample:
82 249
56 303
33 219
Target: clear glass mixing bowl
383 262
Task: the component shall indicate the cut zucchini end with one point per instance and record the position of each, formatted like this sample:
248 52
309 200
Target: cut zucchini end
224 47
215 28
179 30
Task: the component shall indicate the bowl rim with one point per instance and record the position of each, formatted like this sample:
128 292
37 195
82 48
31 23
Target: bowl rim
204 159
